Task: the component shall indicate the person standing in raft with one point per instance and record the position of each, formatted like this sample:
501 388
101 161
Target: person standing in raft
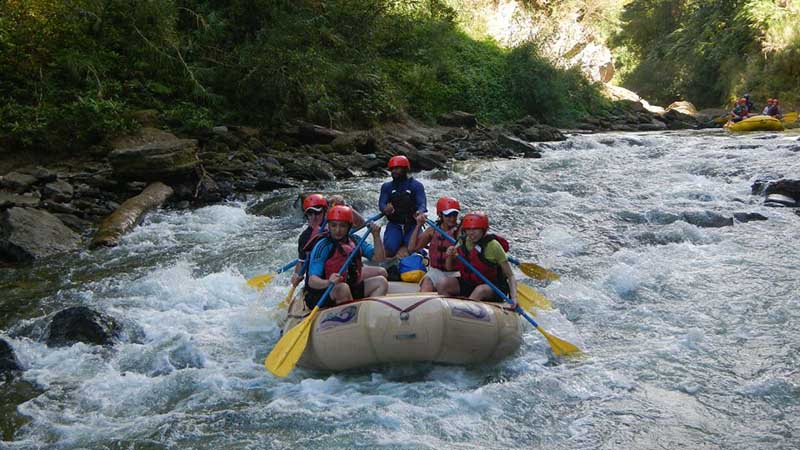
401 200
447 208
740 111
329 254
486 253
314 207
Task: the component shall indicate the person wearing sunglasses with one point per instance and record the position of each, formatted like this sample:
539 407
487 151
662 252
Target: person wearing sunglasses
314 207
447 208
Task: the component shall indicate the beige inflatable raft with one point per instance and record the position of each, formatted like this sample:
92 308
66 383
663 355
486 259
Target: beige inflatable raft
407 326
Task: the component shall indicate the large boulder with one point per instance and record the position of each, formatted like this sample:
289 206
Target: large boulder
458 119
59 191
308 133
27 234
11 199
81 324
8 360
155 161
16 181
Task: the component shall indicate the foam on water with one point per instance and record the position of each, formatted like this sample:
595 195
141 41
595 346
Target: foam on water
686 331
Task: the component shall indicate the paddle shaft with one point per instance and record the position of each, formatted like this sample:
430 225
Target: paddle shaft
483 278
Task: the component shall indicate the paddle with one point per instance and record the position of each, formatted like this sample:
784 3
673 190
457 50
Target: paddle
284 356
261 281
288 298
534 270
528 297
560 347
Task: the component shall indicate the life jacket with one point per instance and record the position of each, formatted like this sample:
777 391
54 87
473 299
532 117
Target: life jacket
404 203
438 247
477 258
337 257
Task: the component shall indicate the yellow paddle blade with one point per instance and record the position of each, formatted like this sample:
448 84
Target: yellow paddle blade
285 303
284 356
560 347
261 281
536 271
528 298
790 117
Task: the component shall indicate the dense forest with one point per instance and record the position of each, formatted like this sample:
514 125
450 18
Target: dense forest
710 51
72 71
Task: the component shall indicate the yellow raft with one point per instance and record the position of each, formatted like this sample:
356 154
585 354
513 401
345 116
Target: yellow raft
407 326
756 123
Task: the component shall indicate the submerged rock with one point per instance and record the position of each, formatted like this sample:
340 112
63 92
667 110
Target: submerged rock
8 360
748 217
707 219
81 324
27 234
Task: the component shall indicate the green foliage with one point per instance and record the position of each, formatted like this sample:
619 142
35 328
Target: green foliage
709 52
73 70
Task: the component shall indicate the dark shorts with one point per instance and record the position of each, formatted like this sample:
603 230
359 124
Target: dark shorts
466 287
313 295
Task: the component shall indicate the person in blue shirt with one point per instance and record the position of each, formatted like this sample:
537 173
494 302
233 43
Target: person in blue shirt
401 200
330 253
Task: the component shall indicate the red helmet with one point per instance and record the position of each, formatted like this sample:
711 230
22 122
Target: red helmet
475 219
742 101
447 205
775 100
399 161
340 213
316 201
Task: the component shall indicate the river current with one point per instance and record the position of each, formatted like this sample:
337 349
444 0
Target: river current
690 333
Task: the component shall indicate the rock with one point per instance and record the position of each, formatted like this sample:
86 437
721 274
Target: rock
207 190
307 168
683 107
748 217
677 120
59 191
155 161
81 324
59 208
308 133
220 129
129 214
779 200
74 222
10 199
783 186
142 136
458 119
543 133
655 125
8 360
27 234
707 219
42 174
518 146
16 181
355 141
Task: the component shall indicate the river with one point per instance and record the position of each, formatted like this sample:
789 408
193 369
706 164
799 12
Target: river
690 333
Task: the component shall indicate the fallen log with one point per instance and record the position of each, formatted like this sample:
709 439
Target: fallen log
129 214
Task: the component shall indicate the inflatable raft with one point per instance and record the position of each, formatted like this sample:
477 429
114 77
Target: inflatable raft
756 123
407 326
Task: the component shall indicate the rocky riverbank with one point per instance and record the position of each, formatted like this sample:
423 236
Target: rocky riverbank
46 210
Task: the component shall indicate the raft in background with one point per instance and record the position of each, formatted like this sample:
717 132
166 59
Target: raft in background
755 123
407 326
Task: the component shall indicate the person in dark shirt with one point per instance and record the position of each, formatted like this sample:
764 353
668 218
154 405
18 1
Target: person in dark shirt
401 199
740 111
